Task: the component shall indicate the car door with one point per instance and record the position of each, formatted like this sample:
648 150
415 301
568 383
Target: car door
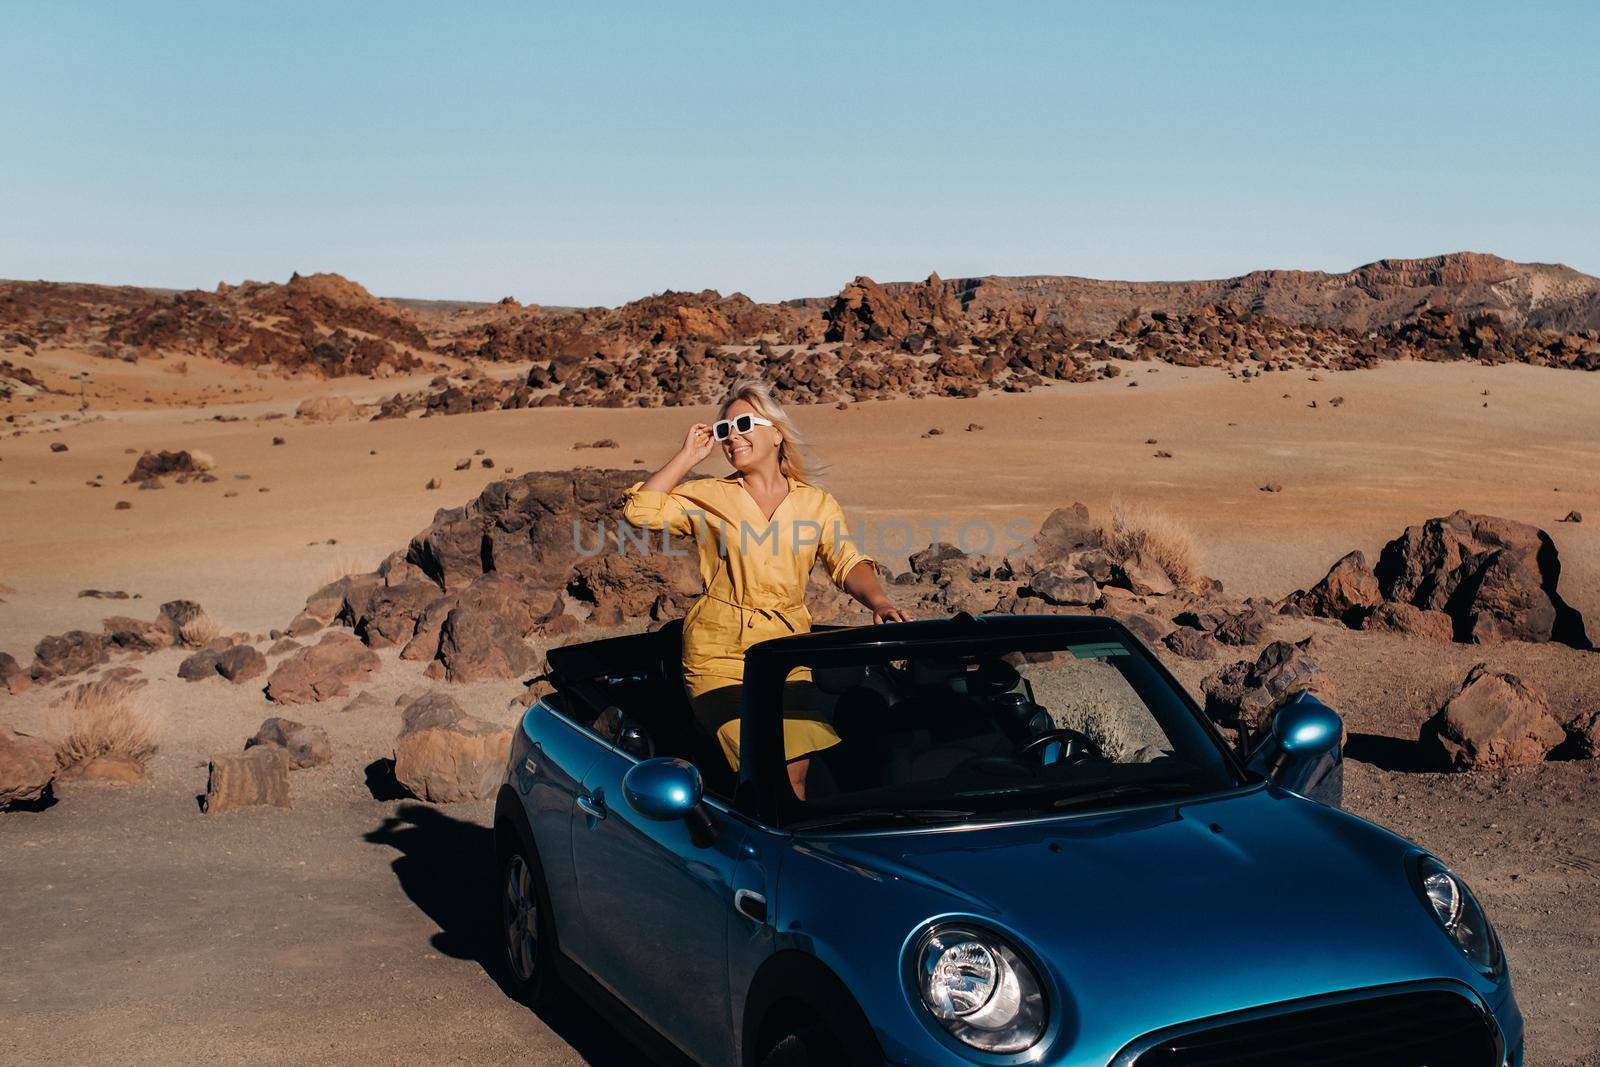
658 910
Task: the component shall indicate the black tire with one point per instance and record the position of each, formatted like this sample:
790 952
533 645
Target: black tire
527 934
805 1044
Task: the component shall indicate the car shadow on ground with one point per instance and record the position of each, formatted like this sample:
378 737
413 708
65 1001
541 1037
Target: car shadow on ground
446 866
1388 753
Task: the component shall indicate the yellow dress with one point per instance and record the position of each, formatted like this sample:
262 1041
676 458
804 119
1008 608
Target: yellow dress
755 571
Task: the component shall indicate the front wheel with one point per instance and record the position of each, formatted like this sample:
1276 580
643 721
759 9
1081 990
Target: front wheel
806 1045
527 944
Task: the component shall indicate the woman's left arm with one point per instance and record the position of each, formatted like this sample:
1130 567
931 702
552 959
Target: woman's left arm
850 569
862 583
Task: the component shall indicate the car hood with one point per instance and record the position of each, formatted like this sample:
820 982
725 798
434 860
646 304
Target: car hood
1173 912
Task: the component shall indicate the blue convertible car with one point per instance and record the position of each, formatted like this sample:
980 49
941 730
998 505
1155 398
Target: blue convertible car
1030 846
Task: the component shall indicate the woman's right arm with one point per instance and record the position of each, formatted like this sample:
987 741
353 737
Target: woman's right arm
652 504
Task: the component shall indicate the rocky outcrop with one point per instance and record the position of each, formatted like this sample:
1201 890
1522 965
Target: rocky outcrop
59 655
322 671
137 635
1408 619
1245 694
1466 577
1348 592
13 676
443 754
306 746
160 464
257 778
1496 720
327 409
1496 578
27 767
479 644
530 527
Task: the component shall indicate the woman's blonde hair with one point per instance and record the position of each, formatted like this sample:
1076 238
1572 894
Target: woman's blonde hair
792 459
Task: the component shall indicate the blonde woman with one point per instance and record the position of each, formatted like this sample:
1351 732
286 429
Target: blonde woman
759 532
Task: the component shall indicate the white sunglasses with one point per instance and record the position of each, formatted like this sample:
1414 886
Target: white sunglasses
722 429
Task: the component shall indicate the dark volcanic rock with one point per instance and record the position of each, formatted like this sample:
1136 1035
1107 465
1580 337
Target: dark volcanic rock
1494 577
157 464
530 527
200 666
306 746
1245 694
63 654
1348 592
241 663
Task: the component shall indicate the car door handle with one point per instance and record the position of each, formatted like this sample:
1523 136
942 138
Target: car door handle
750 905
592 806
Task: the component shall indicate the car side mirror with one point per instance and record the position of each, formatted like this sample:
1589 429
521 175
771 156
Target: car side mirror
666 789
1301 750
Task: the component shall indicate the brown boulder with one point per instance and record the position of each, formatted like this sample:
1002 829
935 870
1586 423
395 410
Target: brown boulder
1410 620
1246 693
321 671
1347 592
307 746
241 663
1190 643
259 777
1144 576
1494 577
530 527
932 560
13 675
1585 731
327 408
176 613
27 767
136 635
384 615
476 644
627 586
1065 530
523 606
200 666
1060 584
1495 720
69 653
442 754
157 464
1245 626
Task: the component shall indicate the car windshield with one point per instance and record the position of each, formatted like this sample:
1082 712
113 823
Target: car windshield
985 731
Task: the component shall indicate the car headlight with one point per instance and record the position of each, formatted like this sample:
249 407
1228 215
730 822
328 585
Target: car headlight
1458 911
979 988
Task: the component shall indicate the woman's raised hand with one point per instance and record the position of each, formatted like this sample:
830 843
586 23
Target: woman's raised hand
699 442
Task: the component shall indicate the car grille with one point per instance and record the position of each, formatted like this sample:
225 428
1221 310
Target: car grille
1431 1028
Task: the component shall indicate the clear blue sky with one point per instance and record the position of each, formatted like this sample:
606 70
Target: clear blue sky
591 153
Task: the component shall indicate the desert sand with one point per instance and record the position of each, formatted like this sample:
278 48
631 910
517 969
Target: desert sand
354 926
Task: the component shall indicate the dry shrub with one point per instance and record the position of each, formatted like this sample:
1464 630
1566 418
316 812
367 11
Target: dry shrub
202 461
199 631
1135 529
107 718
346 565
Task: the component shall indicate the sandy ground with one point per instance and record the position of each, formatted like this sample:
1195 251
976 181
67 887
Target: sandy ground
355 927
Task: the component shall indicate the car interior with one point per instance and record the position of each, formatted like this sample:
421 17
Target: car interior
899 723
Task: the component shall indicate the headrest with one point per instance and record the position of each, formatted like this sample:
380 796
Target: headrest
835 680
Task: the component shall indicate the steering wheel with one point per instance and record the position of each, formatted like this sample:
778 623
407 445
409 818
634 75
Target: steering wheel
1076 746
